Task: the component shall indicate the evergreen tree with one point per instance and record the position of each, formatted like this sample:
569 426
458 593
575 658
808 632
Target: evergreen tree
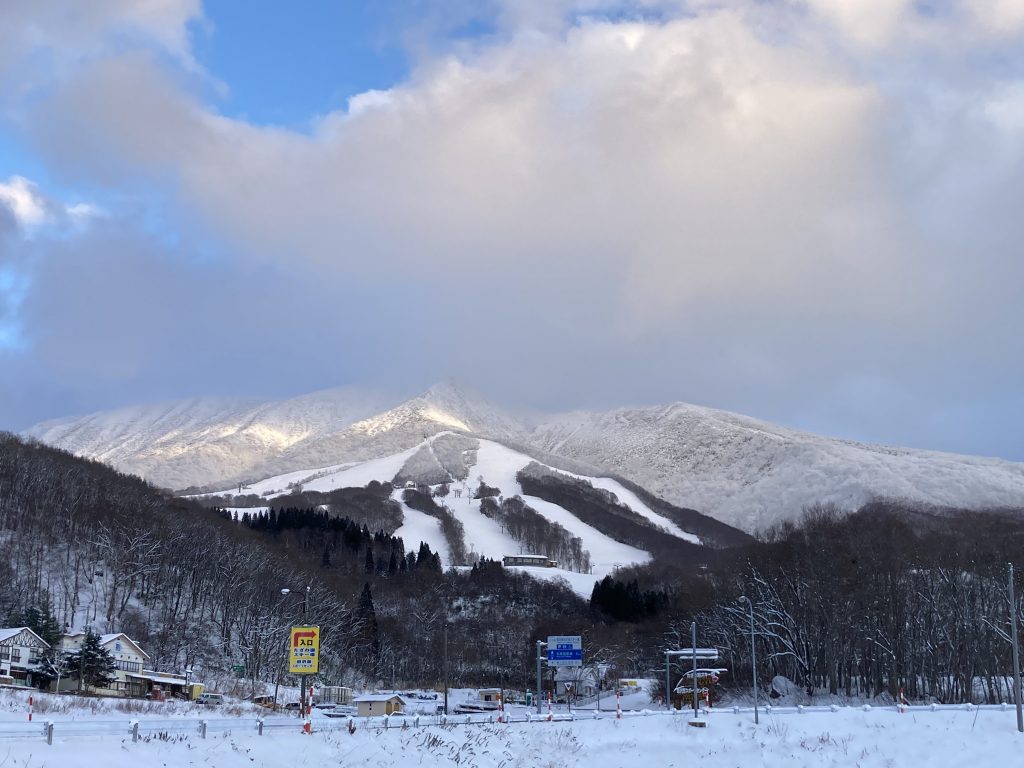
40 619
367 614
93 663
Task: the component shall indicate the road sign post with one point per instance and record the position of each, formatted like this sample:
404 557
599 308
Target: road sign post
304 659
540 644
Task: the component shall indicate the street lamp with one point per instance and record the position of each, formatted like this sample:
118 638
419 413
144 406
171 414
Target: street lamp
302 678
753 651
540 644
305 598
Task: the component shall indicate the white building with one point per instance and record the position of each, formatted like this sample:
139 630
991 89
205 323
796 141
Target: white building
21 653
129 660
576 682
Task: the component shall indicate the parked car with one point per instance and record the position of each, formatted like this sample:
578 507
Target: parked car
293 705
210 699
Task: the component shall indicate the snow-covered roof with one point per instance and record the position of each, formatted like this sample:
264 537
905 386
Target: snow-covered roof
9 633
107 639
158 678
378 697
573 674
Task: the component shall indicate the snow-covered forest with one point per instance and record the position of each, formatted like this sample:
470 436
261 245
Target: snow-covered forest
867 604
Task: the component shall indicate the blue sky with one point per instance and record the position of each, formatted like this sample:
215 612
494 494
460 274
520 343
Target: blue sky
799 210
282 68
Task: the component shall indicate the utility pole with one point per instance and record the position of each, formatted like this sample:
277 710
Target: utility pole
668 687
304 706
1016 655
753 651
446 666
693 637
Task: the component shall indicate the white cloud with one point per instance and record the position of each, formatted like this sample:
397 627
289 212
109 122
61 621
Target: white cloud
32 209
72 28
23 199
718 204
1001 18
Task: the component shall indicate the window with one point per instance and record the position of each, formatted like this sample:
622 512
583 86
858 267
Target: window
5 652
129 666
16 654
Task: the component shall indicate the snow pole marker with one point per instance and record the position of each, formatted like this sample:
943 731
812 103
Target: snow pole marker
501 709
550 716
307 726
618 706
30 709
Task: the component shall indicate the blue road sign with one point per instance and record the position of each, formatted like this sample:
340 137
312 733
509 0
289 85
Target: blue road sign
565 651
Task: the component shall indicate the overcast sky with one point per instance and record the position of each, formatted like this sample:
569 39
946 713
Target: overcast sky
809 211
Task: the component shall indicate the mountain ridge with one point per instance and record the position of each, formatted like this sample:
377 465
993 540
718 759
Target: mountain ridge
743 471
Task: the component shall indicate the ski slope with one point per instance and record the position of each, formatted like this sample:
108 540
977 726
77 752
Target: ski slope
497 465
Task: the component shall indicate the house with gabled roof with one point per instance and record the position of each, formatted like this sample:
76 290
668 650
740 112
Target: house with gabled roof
21 653
129 660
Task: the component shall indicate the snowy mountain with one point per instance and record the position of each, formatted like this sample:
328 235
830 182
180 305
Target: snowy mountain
739 470
206 440
751 474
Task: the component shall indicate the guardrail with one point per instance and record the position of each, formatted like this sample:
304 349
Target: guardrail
166 727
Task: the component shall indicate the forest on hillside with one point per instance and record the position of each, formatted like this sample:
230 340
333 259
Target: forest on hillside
865 604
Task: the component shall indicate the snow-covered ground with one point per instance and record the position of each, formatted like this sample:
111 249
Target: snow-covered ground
873 738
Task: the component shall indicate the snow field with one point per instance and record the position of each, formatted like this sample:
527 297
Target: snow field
851 737
419 526
499 465
632 501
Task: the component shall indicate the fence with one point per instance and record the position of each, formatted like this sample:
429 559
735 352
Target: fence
183 727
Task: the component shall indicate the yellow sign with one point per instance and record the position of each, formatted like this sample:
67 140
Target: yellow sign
304 651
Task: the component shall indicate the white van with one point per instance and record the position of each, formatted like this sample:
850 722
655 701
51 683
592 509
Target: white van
210 699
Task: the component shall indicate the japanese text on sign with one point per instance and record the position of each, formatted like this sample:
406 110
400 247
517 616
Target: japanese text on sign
304 650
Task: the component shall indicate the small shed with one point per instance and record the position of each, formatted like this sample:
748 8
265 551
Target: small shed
378 704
